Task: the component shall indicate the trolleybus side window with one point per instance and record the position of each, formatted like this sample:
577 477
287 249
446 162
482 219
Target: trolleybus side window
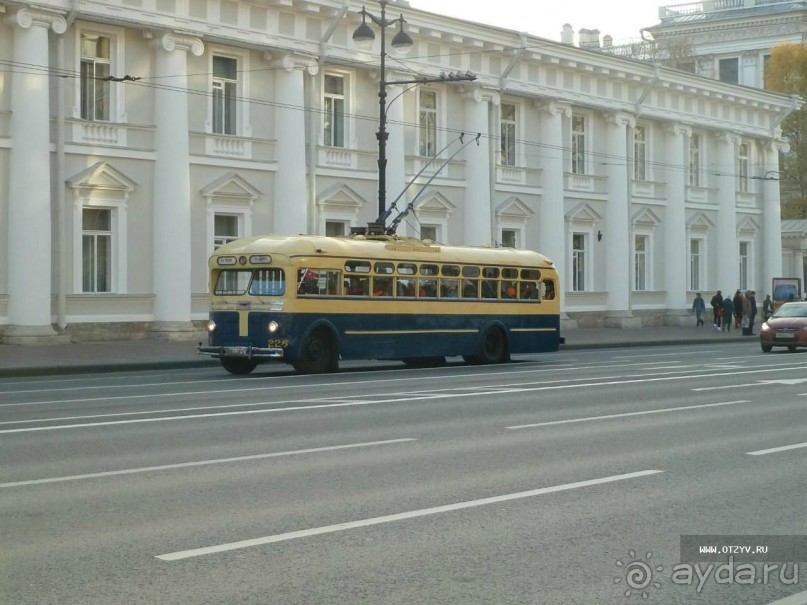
427 286
357 285
268 282
232 282
407 285
548 289
530 279
470 285
490 282
318 282
382 286
509 291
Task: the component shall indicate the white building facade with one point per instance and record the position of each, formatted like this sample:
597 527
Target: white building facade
731 40
137 135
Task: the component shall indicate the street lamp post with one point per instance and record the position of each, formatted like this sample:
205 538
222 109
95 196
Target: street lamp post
363 37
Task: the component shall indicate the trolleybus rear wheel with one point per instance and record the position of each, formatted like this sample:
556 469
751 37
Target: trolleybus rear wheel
318 354
493 346
238 365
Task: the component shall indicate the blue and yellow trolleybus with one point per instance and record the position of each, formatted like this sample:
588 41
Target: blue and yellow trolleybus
310 301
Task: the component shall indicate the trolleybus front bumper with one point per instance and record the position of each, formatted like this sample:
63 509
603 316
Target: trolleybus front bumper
248 351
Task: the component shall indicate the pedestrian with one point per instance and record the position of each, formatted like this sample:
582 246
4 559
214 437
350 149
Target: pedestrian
728 313
746 321
737 301
767 307
698 306
717 309
753 311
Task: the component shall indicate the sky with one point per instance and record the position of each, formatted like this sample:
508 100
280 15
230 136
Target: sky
621 19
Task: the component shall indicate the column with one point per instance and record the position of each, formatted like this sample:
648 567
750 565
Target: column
676 250
172 206
727 253
617 229
552 211
772 217
396 156
477 211
29 186
290 203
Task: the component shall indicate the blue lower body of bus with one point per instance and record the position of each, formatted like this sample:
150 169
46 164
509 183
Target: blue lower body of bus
379 336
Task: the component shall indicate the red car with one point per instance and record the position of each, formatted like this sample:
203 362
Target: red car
785 328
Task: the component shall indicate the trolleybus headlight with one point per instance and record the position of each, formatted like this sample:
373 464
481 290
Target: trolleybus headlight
273 327
211 326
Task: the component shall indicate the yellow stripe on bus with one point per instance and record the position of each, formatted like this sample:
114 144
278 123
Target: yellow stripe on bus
533 330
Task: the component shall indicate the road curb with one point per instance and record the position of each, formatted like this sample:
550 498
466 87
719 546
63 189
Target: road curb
106 368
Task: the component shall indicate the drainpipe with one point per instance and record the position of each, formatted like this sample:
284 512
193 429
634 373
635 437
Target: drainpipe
61 211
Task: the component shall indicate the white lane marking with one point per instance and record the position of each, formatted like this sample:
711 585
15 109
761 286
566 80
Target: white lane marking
165 467
775 450
800 598
626 414
677 354
327 529
790 381
293 408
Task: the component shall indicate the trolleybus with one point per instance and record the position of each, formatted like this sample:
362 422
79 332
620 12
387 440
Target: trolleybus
311 301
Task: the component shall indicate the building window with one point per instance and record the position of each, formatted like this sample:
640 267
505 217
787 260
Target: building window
428 123
96 249
766 64
335 228
578 262
334 107
509 238
508 134
428 232
640 250
226 228
640 153
95 71
694 161
578 144
695 264
225 85
745 250
742 166
729 70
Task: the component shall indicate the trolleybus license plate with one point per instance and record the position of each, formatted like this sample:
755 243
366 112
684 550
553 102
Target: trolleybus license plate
236 351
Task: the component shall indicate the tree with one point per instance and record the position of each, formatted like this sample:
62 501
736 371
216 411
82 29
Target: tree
787 72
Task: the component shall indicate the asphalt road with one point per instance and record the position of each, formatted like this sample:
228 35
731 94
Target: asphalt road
554 480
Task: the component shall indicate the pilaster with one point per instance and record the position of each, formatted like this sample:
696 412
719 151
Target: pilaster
479 221
291 196
675 235
172 207
551 212
724 171
771 214
29 187
617 230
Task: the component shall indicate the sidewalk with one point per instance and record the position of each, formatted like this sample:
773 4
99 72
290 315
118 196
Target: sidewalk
76 358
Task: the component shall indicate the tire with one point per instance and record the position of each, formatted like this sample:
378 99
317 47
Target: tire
318 354
791 348
493 347
238 365
766 348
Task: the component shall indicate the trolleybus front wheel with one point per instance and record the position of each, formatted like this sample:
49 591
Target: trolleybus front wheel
238 365
318 354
